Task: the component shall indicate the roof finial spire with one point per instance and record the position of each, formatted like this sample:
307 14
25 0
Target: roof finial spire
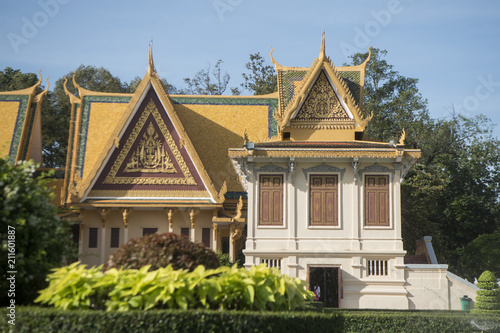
151 68
322 54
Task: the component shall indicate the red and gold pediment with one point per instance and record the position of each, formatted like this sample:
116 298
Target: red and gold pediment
322 103
150 155
151 158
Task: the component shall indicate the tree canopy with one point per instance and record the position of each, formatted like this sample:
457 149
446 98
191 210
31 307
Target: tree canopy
27 218
452 193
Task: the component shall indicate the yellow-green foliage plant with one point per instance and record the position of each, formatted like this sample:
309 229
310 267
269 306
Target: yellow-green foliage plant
260 288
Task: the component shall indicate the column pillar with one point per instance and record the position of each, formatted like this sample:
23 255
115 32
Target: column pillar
81 219
215 243
396 206
235 232
104 212
192 218
170 214
292 221
126 214
356 221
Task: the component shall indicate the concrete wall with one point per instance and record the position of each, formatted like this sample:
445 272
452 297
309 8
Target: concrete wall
432 287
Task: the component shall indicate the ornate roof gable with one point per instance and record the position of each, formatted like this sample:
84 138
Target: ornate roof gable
321 95
20 124
149 155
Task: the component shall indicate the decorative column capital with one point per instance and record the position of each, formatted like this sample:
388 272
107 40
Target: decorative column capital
104 212
192 215
126 214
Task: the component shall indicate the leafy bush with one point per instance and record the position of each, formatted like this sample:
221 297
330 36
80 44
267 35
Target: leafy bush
260 288
41 320
29 227
489 297
224 259
161 250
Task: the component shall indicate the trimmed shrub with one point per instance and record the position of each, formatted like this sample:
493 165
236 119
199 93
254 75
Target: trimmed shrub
161 250
486 292
260 288
489 297
487 281
37 320
41 320
391 321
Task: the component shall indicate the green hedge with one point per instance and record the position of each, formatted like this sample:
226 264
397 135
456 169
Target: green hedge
34 319
37 319
417 321
399 322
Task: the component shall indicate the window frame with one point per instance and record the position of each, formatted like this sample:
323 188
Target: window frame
283 199
338 224
389 177
111 237
96 230
144 233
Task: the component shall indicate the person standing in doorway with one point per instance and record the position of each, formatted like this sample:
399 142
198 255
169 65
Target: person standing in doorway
317 292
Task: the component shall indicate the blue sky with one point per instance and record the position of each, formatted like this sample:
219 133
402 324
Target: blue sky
452 47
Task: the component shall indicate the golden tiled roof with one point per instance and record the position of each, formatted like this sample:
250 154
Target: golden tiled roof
207 126
296 85
20 124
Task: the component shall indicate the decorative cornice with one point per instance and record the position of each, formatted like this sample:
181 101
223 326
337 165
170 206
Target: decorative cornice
146 194
272 168
324 168
376 168
339 124
323 153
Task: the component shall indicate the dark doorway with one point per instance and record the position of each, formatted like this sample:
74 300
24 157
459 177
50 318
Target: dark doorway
225 244
327 279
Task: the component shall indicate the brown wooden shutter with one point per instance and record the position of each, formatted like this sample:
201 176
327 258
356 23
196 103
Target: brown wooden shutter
271 200
324 200
377 200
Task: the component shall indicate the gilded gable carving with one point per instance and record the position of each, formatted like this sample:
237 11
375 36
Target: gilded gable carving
322 103
150 155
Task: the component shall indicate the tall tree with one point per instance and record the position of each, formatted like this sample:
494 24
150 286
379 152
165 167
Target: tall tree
57 109
453 191
132 85
27 220
395 101
210 81
262 78
14 79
